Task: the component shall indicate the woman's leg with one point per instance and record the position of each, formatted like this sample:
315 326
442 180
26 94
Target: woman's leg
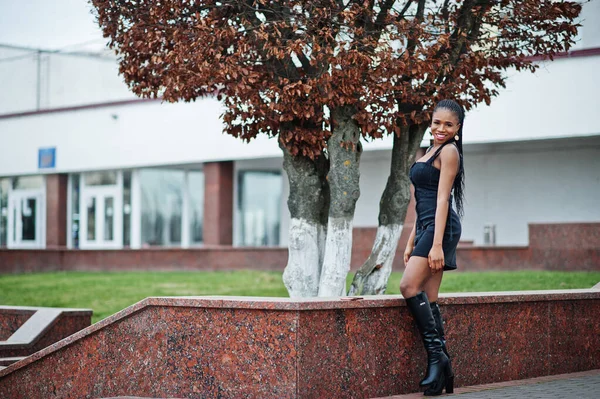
415 276
413 282
432 286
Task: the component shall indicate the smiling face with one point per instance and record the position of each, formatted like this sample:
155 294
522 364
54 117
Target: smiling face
444 126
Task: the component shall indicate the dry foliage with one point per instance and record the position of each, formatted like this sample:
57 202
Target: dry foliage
280 66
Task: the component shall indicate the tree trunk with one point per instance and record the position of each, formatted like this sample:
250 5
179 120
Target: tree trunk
372 277
344 150
308 203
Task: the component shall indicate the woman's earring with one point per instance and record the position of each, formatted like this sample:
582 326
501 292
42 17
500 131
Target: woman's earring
456 137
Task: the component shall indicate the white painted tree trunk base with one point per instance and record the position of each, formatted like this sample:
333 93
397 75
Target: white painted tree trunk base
322 243
302 273
336 262
373 276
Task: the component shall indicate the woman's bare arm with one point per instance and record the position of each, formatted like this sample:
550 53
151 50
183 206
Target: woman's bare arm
449 162
410 244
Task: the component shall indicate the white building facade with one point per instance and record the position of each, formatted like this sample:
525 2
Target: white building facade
132 173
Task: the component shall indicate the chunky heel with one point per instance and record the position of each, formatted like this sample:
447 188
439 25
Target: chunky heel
450 384
444 380
437 387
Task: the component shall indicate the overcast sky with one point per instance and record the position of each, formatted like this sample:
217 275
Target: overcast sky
49 24
56 24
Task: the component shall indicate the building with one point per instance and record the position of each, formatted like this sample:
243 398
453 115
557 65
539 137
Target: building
84 165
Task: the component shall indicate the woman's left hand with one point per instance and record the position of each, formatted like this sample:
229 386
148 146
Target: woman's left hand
436 258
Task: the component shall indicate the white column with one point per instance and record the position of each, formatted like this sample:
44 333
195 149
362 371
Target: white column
118 212
185 212
136 210
44 210
70 211
10 237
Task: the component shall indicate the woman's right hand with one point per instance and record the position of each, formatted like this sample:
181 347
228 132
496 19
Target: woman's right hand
408 252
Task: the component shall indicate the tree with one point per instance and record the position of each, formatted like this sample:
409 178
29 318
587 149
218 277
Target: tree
320 75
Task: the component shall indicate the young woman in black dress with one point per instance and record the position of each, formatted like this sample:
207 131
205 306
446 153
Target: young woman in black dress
431 247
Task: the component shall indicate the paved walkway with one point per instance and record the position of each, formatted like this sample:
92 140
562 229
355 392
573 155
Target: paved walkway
583 385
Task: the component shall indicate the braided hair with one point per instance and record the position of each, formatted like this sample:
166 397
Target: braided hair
459 181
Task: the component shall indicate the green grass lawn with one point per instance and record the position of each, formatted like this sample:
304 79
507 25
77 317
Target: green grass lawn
108 292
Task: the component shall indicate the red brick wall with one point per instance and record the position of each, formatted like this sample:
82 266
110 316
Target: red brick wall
218 203
469 258
574 246
215 258
56 211
568 246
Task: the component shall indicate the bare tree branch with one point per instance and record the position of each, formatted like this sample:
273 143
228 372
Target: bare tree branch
406 7
383 13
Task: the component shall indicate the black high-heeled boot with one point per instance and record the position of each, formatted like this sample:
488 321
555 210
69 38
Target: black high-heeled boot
437 361
439 326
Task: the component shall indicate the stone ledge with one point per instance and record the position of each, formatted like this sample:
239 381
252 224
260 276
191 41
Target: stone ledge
7 361
31 309
39 328
264 303
277 347
32 330
368 301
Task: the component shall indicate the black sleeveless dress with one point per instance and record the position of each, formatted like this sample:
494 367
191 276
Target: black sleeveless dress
425 178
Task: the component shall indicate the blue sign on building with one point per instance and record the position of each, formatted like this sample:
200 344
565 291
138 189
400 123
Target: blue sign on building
47 158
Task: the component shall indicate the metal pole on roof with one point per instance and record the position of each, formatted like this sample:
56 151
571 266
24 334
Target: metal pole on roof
39 79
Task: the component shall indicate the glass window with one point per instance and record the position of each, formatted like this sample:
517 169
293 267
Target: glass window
75 192
4 186
109 218
91 219
27 182
127 208
196 190
259 207
106 178
28 218
14 225
162 204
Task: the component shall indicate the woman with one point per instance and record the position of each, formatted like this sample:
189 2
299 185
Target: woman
431 248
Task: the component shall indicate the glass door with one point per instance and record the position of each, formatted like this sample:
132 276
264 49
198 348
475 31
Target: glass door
101 218
26 219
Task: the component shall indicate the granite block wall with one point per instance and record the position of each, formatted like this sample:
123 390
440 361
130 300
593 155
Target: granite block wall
38 333
11 320
224 347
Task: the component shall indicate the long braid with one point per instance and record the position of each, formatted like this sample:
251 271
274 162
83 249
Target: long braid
459 181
